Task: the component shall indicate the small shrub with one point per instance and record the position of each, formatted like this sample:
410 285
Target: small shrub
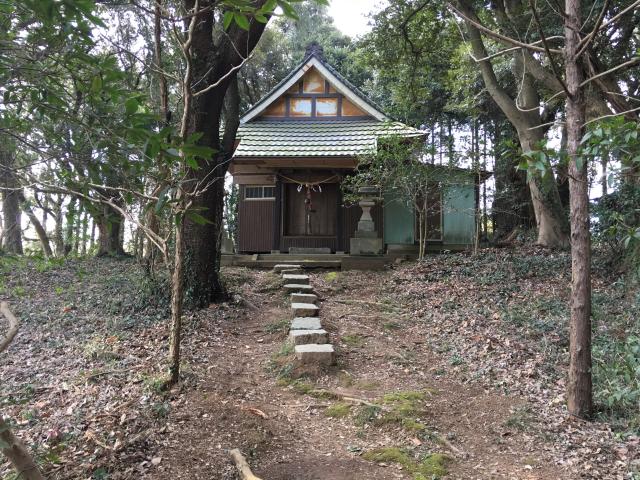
279 326
617 375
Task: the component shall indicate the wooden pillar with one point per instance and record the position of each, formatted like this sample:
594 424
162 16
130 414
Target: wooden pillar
277 214
340 241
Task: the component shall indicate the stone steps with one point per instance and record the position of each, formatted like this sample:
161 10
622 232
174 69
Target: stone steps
314 353
304 310
304 298
302 337
298 288
311 341
296 279
306 323
286 266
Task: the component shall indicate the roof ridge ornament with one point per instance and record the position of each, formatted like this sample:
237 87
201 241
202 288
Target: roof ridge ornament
315 49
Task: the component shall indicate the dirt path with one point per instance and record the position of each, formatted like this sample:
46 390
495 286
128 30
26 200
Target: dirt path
384 357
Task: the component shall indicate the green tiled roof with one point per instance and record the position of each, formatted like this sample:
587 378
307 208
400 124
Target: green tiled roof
301 138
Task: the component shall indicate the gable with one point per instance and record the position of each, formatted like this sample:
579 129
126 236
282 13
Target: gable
314 90
313 96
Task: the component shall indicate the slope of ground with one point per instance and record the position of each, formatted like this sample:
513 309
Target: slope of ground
457 365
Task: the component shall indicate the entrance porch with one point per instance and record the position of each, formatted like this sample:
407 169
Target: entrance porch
301 211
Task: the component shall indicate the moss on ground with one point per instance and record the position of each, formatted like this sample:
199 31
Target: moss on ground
331 276
353 340
404 407
338 410
430 467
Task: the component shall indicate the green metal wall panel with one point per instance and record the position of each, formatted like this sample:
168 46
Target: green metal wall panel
459 214
398 221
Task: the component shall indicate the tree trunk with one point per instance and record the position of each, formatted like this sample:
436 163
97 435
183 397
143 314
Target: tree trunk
92 240
562 173
212 58
83 237
70 219
58 238
525 117
551 221
11 192
177 296
40 231
511 207
579 387
604 180
109 238
18 454
10 446
78 230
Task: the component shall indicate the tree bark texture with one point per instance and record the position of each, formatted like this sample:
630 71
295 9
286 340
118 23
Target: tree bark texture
177 296
579 386
213 56
109 240
38 227
11 192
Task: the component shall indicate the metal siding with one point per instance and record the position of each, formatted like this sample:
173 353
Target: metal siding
399 224
459 214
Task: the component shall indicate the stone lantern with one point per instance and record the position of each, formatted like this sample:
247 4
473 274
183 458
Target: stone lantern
366 241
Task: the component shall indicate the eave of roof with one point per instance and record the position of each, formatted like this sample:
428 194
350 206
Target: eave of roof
329 138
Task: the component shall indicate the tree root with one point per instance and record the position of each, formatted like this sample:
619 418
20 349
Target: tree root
241 465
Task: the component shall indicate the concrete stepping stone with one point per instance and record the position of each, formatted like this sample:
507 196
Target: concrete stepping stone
285 266
304 310
292 271
297 287
304 298
301 337
306 323
315 353
297 279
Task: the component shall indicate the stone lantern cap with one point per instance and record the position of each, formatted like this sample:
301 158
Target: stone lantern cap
368 190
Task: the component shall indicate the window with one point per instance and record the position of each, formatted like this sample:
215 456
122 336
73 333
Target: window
300 107
327 107
259 192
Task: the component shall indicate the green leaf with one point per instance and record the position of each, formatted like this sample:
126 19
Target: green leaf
96 84
227 19
287 9
198 151
162 199
241 20
197 218
131 105
192 163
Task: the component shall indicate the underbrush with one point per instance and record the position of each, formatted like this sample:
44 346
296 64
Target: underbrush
523 295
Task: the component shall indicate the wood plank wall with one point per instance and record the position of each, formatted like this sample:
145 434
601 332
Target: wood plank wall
256 221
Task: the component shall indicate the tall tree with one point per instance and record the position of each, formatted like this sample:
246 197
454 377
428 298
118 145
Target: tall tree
11 194
213 58
579 387
523 111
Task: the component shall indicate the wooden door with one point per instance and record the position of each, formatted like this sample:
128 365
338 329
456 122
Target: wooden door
310 214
